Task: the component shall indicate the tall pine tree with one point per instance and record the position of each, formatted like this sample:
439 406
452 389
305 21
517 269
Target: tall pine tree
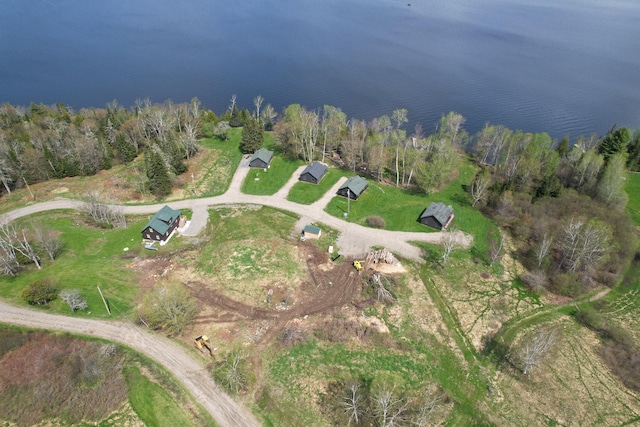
159 181
252 136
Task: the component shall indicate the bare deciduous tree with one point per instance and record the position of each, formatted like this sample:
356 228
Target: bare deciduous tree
495 248
14 240
479 186
102 212
584 245
542 249
535 346
233 372
427 407
74 299
450 240
387 407
353 405
49 240
257 101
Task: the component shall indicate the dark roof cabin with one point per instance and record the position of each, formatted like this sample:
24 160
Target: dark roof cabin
353 187
437 215
314 172
261 159
162 224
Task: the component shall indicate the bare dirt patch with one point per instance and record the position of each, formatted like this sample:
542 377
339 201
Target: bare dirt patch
262 317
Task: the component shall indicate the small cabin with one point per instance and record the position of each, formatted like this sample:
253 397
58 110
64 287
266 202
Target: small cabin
160 227
353 187
261 159
437 215
314 172
311 232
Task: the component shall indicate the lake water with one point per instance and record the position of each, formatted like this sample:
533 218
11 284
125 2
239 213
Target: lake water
564 67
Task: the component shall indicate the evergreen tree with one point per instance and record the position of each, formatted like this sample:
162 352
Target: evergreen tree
159 182
245 116
235 120
252 136
615 142
633 149
126 152
563 147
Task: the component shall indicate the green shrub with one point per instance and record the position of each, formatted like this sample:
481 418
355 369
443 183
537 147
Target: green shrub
40 292
375 221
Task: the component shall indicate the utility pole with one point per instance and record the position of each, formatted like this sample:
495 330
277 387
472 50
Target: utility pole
348 202
103 300
193 181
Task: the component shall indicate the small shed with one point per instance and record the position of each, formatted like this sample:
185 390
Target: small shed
261 159
314 172
311 232
437 215
353 187
160 227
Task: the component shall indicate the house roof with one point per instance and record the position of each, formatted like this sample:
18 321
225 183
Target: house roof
311 229
316 170
263 154
439 211
163 219
355 184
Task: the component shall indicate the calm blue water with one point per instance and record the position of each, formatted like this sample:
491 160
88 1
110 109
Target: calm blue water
565 67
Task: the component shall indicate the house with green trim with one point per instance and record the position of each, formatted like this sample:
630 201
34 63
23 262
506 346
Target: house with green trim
353 187
261 159
160 227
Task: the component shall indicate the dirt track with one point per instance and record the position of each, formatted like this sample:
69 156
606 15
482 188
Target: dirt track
174 358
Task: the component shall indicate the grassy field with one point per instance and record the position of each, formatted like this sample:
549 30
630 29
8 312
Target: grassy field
632 187
90 257
306 193
213 176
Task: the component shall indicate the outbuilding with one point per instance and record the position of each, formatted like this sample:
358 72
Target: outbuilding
437 215
353 187
314 172
311 232
160 227
261 159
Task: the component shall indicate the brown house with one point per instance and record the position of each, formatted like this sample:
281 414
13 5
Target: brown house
162 224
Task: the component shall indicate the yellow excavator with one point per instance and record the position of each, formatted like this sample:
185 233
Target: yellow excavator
203 342
358 265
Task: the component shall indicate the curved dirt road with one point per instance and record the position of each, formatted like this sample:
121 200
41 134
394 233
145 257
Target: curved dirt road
174 358
354 241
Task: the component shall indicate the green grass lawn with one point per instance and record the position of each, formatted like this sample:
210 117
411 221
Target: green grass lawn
152 403
90 257
261 183
401 208
632 187
306 193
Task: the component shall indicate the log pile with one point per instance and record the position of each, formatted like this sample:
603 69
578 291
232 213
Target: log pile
379 256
